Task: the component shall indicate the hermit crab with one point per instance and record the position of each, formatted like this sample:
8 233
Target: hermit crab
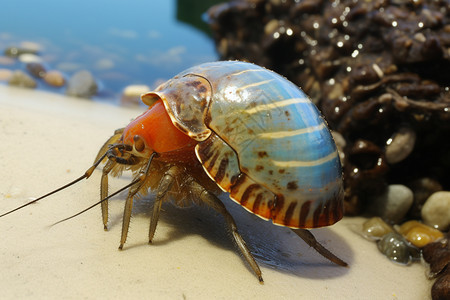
229 127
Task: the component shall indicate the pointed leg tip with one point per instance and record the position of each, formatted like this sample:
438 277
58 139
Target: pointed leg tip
261 280
120 246
338 261
335 259
105 228
344 264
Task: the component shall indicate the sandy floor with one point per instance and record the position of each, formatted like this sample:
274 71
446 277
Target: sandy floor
48 140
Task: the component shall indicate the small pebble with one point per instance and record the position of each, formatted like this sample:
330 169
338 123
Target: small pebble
21 79
419 234
436 210
395 248
376 227
271 26
422 188
82 84
16 51
30 58
393 204
54 78
37 70
5 74
400 145
132 94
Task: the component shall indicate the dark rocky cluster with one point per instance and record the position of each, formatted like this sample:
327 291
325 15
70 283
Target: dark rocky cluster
437 255
378 70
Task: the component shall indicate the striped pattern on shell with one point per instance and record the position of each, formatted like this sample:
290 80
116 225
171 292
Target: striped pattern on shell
260 139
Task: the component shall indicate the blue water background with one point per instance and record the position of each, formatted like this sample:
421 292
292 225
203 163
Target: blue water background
120 42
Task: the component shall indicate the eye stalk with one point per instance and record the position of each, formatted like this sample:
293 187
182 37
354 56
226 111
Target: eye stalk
139 143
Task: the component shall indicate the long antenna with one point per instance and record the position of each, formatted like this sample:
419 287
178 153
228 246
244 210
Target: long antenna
85 175
46 195
99 202
140 178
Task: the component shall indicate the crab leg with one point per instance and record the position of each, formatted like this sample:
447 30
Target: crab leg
214 202
141 177
164 186
104 191
309 238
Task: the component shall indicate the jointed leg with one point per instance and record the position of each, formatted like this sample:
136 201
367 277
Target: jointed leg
309 238
106 169
104 191
214 202
164 186
140 178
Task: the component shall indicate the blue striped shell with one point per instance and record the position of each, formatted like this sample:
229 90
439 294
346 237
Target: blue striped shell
260 139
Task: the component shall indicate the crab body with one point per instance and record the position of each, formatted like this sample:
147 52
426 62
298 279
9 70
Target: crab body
258 137
236 127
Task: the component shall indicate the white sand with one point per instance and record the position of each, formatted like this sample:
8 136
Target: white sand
48 140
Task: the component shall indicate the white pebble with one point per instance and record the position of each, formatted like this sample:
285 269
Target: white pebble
136 90
392 205
30 58
400 145
132 94
436 210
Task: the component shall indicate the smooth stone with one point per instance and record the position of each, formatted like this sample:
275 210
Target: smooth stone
16 51
5 74
54 78
131 95
436 210
82 84
395 248
36 70
21 79
393 204
30 58
422 188
376 227
400 145
419 234
271 26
